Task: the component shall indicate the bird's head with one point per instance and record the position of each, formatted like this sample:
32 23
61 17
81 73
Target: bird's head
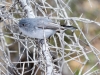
25 24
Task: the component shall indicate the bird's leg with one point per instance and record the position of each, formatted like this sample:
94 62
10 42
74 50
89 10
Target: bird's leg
41 41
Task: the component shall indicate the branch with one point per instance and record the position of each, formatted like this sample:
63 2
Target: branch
28 9
49 65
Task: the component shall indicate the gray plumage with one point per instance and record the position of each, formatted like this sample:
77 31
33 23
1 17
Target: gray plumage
39 27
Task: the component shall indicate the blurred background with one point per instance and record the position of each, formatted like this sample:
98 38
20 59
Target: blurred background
87 9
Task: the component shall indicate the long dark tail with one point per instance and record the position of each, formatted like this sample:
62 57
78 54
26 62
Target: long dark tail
69 27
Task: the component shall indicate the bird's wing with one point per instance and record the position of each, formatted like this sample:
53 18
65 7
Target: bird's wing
52 26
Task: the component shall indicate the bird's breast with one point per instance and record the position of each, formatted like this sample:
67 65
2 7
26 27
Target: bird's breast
38 33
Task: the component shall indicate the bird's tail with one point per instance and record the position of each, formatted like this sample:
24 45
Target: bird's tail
69 27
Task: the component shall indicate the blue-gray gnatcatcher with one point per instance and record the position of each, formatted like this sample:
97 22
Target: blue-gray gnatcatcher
40 27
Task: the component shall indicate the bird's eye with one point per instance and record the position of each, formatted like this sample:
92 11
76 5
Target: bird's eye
23 24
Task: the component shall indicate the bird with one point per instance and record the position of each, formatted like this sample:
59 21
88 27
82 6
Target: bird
40 27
